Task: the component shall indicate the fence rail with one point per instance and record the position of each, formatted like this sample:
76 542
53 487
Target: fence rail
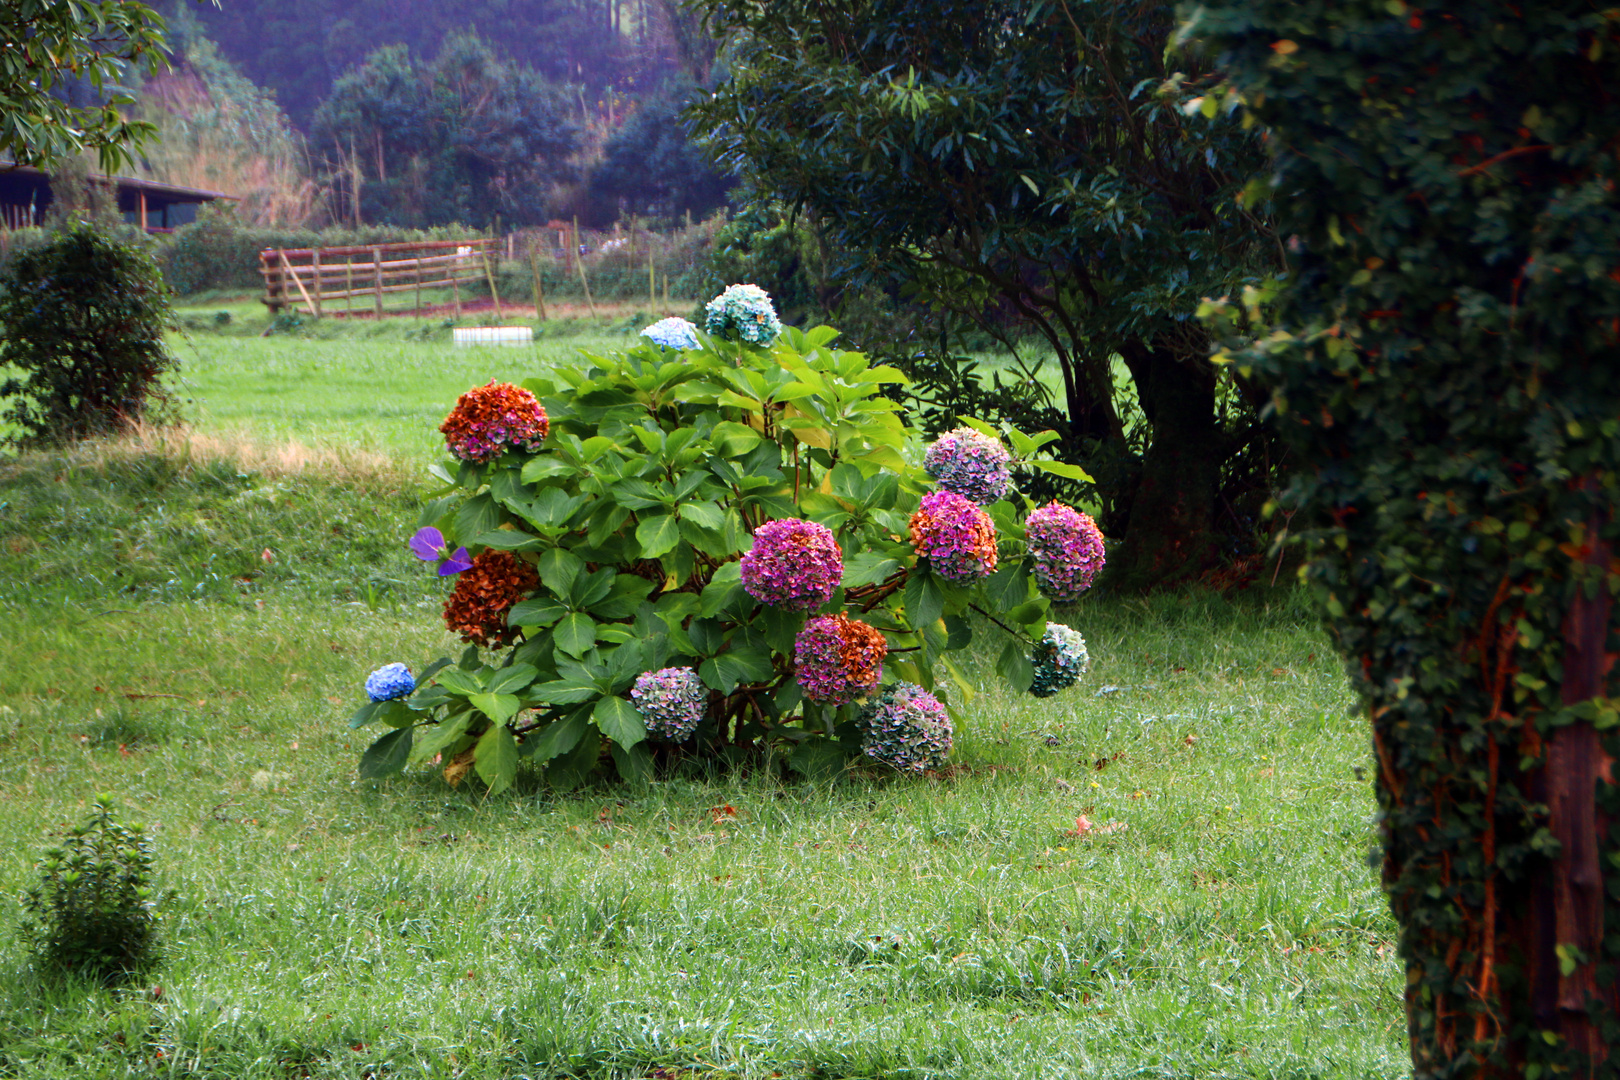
310 278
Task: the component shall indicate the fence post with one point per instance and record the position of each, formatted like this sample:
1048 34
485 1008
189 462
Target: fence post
418 270
348 282
376 278
489 274
539 290
315 279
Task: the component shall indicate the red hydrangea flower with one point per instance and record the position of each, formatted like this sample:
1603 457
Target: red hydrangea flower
487 420
839 659
956 537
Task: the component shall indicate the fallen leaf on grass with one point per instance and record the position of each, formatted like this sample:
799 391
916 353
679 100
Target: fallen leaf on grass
459 766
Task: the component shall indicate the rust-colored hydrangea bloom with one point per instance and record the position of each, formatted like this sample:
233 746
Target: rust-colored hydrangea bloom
839 659
488 419
957 537
484 593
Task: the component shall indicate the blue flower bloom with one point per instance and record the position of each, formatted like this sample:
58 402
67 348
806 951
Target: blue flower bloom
745 309
1060 659
672 333
389 682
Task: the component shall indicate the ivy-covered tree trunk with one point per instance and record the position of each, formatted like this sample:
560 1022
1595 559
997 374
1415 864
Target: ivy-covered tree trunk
1445 362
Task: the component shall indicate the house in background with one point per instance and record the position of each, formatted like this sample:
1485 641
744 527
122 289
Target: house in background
158 208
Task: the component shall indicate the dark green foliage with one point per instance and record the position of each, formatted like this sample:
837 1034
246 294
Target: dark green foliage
1446 368
92 912
650 168
82 320
1027 165
50 47
463 138
301 48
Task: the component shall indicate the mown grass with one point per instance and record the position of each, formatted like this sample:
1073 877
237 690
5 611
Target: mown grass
714 925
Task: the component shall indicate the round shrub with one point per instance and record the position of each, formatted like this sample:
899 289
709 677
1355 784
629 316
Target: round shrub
710 547
82 319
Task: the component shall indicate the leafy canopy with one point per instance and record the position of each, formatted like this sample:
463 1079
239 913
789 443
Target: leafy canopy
48 46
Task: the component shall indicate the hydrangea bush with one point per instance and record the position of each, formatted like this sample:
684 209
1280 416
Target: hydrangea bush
720 549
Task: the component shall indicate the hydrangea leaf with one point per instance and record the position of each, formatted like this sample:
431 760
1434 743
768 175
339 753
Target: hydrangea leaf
575 633
557 737
925 603
657 535
495 757
1015 667
619 721
387 755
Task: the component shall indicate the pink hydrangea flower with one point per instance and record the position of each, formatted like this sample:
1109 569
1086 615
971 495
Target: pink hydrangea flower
974 465
794 565
1067 548
839 659
956 537
671 702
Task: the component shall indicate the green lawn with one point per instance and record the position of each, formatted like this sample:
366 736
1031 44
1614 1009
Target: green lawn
190 625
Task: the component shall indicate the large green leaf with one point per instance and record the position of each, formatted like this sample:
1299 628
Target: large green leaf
498 707
725 671
511 680
1014 666
387 755
657 535
575 633
558 570
438 736
458 681
535 611
557 737
925 602
495 757
618 720
634 762
477 516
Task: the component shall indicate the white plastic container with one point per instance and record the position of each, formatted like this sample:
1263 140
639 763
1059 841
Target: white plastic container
493 335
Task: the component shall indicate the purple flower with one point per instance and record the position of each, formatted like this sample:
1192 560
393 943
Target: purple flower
429 546
389 682
907 728
839 659
956 537
973 465
671 702
1067 548
794 564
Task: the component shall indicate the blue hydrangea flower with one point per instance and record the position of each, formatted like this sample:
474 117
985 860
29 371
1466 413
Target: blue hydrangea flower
745 310
672 333
389 682
1060 658
906 728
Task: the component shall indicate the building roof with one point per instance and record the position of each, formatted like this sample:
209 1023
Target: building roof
166 192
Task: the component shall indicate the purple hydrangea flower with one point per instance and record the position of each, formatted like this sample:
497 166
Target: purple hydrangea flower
907 728
1067 548
389 682
1060 658
794 564
839 659
973 465
956 537
672 333
745 310
429 546
671 702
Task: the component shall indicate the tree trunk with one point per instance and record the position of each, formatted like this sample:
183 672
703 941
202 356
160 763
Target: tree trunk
1168 535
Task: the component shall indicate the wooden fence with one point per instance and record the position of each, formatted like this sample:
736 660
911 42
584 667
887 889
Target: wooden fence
311 278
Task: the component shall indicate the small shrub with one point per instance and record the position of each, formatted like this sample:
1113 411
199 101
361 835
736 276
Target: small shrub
714 551
82 320
92 912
